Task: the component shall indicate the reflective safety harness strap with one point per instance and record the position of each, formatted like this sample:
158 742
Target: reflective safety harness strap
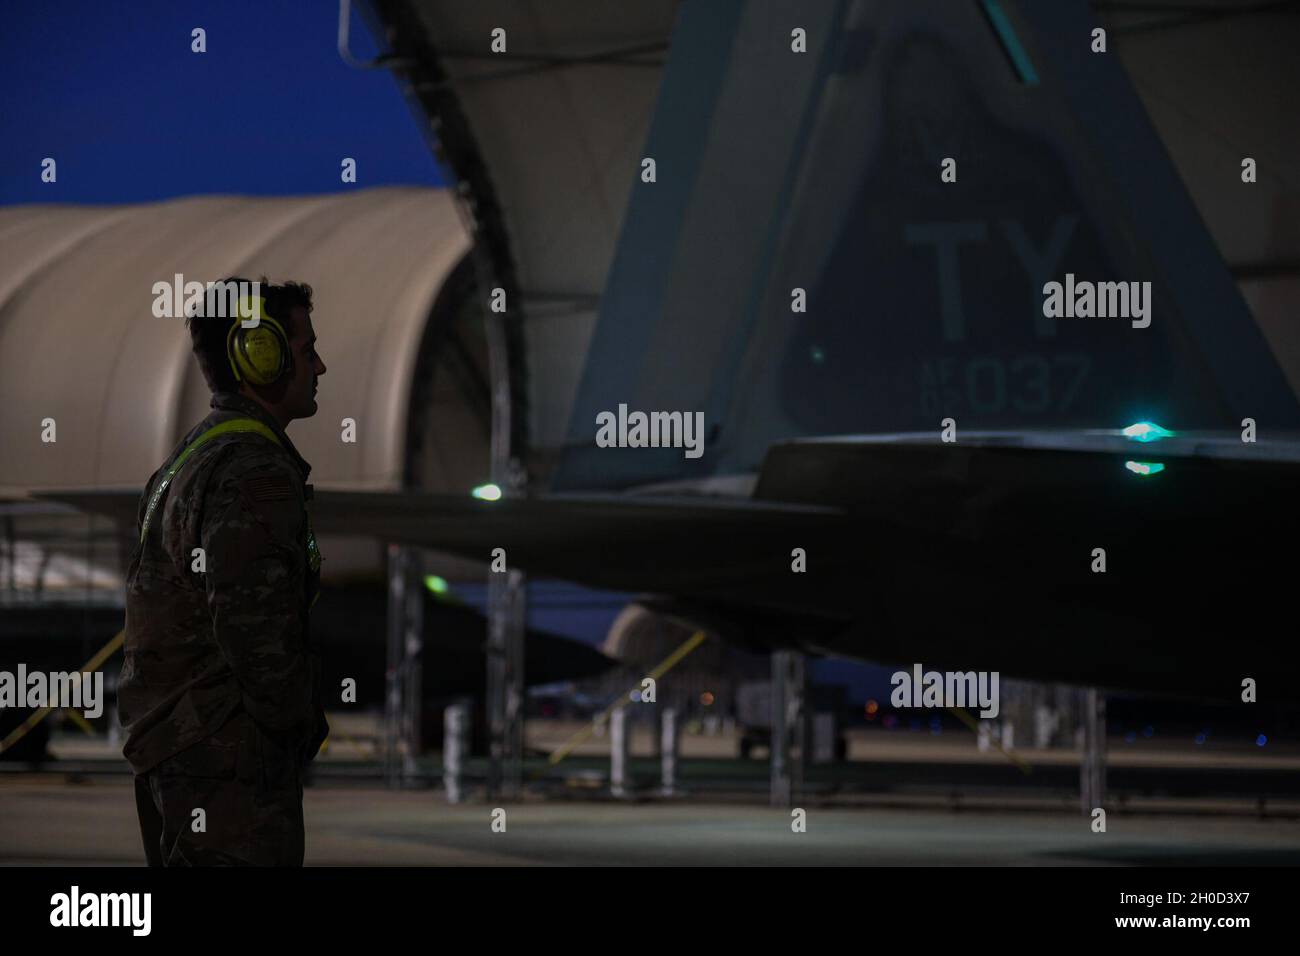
216 431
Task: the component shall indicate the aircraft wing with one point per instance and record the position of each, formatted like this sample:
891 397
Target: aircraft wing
704 547
1081 559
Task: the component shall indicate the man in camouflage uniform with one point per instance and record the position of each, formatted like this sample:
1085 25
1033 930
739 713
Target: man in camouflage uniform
220 693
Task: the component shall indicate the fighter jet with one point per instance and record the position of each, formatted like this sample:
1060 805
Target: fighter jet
845 231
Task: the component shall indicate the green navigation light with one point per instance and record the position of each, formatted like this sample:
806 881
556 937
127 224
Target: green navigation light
1146 431
487 493
1144 468
436 584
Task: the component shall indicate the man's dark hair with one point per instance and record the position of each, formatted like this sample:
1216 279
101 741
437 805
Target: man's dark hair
208 330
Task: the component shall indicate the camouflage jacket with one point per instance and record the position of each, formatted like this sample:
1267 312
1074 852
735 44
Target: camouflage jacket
207 634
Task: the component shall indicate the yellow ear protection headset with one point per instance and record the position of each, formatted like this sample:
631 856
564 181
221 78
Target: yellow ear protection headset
259 355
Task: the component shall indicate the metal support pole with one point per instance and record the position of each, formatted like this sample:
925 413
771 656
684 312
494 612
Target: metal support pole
506 594
656 731
403 697
825 733
669 745
392 673
505 690
12 539
1092 766
412 667
788 722
619 732
454 747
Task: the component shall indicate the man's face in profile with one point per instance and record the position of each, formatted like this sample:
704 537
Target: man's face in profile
300 390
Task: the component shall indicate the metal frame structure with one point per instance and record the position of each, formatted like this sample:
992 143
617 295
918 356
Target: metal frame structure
428 91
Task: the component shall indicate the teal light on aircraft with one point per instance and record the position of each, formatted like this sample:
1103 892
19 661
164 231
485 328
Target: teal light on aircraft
487 493
435 584
1146 431
1144 468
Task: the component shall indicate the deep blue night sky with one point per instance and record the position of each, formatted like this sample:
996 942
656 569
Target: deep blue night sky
114 94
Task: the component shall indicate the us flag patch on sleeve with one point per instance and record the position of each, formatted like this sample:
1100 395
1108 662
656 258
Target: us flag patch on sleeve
269 488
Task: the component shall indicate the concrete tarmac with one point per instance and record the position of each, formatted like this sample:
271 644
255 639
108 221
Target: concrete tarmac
44 821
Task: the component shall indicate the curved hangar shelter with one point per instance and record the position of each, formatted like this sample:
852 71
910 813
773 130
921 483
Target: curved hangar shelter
79 342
